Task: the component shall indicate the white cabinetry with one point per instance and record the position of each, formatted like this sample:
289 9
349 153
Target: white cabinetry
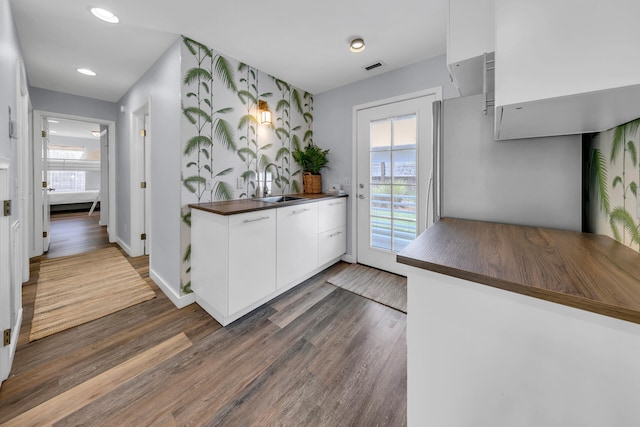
240 261
233 261
565 67
332 238
297 242
470 34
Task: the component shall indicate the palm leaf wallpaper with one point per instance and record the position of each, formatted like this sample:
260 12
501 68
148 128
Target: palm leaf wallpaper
614 174
224 147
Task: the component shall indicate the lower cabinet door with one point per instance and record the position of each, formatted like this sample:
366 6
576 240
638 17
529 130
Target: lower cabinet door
297 242
331 244
252 258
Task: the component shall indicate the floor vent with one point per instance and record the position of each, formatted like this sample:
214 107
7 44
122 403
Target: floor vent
374 66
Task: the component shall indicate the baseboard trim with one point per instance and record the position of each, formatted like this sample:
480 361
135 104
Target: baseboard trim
15 333
124 246
178 300
348 258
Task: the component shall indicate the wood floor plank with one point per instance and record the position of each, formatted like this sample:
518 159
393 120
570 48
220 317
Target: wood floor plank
380 286
70 401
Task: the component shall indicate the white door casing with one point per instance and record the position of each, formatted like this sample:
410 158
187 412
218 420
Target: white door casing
46 186
37 201
392 176
140 164
6 355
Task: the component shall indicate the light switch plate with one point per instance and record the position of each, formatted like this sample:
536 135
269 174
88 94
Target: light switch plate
240 183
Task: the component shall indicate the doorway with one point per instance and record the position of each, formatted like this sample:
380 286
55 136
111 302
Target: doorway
393 177
72 172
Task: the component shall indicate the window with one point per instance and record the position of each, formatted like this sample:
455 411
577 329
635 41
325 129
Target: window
59 177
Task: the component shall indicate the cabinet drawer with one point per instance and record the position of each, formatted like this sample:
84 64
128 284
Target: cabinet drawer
331 244
332 214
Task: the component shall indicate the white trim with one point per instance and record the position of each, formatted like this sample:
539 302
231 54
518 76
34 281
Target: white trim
15 333
112 221
348 258
124 246
179 301
137 200
5 269
434 91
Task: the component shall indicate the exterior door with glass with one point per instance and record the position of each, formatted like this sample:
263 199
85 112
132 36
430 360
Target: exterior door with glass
394 150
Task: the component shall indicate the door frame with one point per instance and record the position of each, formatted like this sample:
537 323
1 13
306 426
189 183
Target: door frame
36 172
140 171
353 200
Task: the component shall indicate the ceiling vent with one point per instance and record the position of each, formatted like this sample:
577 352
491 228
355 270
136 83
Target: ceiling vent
374 66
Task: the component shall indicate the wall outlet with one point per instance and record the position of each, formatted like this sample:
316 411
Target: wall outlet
240 183
209 185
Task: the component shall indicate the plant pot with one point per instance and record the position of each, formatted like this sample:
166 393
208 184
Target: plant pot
312 183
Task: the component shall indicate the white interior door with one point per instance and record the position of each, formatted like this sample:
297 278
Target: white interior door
6 300
46 188
146 206
394 150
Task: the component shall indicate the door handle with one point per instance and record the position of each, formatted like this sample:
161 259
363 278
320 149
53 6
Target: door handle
361 196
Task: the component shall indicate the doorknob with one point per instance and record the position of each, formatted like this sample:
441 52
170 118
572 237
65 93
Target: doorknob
361 196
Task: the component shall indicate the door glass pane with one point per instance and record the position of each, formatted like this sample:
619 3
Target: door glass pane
393 183
404 132
381 167
380 134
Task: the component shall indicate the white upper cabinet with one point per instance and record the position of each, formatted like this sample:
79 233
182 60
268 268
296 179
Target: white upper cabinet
470 34
565 67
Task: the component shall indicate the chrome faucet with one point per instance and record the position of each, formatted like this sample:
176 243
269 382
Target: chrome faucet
265 190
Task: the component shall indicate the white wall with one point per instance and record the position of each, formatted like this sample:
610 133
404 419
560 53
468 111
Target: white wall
10 55
64 103
160 86
528 181
333 110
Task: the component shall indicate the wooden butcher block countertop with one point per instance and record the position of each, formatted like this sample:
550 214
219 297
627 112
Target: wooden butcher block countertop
581 270
232 207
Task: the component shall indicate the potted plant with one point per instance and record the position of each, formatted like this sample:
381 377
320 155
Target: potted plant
312 159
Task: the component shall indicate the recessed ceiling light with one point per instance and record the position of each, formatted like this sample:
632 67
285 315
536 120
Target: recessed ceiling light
104 15
52 121
53 131
95 133
356 45
86 72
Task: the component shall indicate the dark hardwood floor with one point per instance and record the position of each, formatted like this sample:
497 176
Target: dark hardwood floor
315 356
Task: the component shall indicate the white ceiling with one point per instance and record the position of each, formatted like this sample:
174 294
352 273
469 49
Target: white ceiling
304 42
71 128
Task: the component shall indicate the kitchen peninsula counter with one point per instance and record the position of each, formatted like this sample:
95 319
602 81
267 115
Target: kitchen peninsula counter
521 326
581 270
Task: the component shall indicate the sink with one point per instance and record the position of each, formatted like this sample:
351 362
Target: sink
279 199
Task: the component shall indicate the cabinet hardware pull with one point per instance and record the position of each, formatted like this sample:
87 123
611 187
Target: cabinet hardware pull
333 204
335 234
297 212
262 218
